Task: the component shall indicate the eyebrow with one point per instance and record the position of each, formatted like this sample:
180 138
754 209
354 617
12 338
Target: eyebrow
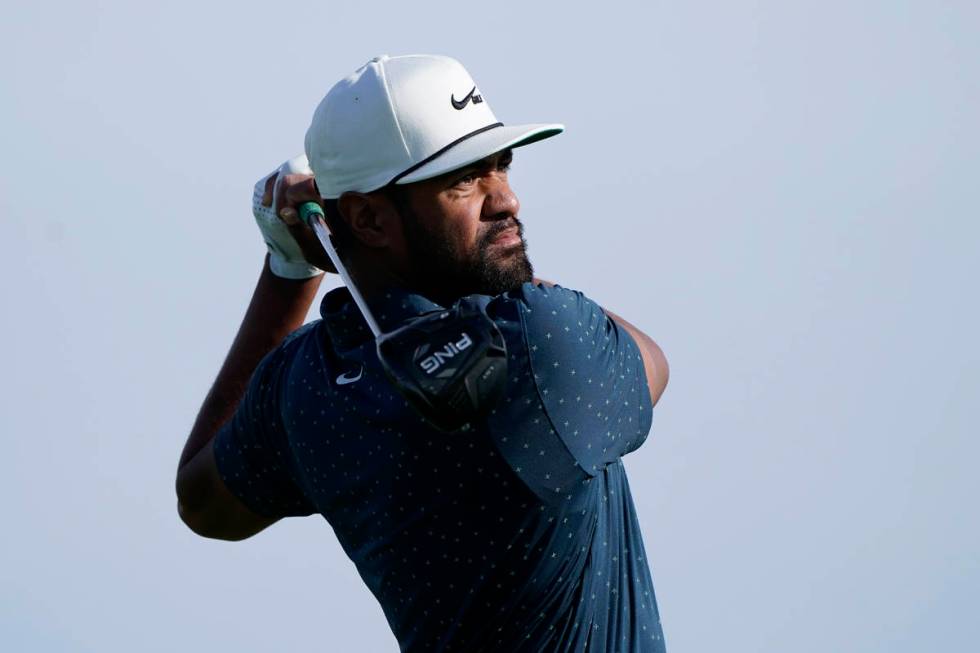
504 156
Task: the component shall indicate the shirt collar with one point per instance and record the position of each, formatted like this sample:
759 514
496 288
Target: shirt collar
348 328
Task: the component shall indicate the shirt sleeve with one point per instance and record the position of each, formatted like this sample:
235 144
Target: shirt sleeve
252 451
589 375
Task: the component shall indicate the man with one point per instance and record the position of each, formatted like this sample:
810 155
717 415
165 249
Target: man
516 533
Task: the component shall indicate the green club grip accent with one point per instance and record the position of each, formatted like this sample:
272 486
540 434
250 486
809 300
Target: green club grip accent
307 210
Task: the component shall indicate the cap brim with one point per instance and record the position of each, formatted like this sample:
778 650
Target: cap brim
481 145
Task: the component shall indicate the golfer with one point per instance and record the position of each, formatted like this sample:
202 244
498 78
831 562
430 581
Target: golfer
515 533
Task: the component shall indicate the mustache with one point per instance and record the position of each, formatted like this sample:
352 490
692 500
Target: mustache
498 228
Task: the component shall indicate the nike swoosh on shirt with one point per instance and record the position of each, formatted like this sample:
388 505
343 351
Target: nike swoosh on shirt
343 379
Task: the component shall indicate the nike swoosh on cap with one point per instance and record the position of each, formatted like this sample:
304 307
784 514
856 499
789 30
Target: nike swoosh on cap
343 379
459 104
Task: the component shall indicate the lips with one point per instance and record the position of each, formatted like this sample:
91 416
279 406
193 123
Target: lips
505 235
511 236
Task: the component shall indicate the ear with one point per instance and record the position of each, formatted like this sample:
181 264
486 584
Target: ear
370 217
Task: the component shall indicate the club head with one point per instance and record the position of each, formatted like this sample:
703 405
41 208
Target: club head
451 365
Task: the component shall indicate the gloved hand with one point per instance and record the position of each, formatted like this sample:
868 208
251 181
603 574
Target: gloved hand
285 256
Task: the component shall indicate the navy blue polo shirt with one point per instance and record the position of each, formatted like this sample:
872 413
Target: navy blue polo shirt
518 533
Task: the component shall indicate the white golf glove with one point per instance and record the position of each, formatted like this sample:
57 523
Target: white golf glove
285 257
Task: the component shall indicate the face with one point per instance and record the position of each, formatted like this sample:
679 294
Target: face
461 231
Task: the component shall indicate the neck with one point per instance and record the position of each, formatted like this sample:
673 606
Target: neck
374 275
374 278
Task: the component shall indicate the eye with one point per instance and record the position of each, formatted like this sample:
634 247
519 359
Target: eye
465 180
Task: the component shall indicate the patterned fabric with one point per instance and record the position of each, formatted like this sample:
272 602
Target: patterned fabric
516 534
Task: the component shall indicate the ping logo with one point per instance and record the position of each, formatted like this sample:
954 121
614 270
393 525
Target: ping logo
460 104
437 359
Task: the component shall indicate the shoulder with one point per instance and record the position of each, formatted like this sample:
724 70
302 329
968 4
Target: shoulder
538 295
573 346
554 318
585 372
561 328
294 346
542 305
303 336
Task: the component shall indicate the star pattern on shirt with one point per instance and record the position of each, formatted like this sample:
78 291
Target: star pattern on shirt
536 497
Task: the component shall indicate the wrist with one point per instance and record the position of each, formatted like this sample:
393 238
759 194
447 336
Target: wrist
296 270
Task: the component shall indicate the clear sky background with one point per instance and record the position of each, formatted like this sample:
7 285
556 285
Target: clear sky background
785 195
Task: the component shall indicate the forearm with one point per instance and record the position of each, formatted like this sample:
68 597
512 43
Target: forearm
278 307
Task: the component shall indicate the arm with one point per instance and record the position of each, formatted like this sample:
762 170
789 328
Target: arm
654 361
278 307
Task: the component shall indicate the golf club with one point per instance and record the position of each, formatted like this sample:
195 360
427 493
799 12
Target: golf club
450 365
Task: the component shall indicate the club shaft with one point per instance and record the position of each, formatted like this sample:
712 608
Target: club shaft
323 234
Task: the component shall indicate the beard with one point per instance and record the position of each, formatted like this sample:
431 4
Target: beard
448 274
497 270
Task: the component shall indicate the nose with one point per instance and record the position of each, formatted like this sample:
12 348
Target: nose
500 203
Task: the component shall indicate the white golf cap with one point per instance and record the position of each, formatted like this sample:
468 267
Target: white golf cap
402 120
